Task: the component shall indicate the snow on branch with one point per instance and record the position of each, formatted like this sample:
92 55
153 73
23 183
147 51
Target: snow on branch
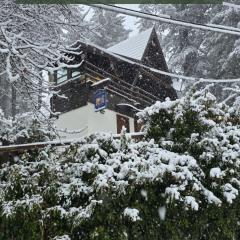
31 42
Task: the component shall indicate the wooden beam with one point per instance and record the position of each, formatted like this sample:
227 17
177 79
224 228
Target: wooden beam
149 95
131 96
152 76
132 93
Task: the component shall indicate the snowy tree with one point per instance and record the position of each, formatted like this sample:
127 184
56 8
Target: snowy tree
30 42
25 128
71 32
221 51
109 28
180 44
193 52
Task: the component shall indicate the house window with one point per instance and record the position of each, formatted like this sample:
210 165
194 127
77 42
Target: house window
75 73
122 121
62 75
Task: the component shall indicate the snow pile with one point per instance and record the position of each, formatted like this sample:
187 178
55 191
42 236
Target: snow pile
216 172
132 213
191 201
162 212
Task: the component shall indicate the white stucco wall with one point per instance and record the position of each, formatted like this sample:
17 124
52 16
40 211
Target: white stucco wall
94 121
73 120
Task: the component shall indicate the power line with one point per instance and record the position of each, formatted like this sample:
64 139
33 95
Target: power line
237 7
168 19
156 18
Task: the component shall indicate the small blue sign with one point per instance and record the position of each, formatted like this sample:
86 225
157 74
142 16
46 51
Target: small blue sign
100 100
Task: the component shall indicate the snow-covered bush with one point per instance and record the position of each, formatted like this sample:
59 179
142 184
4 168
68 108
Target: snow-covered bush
181 183
97 189
198 126
25 128
93 184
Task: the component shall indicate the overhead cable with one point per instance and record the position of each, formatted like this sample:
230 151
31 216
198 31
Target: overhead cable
168 19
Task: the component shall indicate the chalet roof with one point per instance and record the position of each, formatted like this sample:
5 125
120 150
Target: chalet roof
133 47
102 50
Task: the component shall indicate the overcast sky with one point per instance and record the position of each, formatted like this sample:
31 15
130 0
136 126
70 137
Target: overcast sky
130 21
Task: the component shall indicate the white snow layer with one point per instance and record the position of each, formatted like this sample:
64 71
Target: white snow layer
133 47
132 213
216 173
64 237
162 212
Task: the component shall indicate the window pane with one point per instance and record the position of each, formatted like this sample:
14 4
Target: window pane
62 79
75 73
61 72
61 75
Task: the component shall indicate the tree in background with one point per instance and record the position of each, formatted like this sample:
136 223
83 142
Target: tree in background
221 51
180 43
72 33
109 28
193 52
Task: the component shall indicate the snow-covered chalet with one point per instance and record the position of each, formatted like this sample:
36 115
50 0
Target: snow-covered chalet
105 92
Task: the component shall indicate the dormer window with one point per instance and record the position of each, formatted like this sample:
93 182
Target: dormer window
62 75
76 73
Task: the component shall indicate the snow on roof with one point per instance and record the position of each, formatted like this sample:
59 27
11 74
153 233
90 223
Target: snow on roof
100 81
133 47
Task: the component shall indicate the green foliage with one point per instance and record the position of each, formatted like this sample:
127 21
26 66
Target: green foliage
184 184
197 125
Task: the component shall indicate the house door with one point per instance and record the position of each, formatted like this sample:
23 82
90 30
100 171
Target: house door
122 121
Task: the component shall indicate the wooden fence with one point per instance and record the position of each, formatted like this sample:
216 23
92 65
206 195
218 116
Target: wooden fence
20 148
